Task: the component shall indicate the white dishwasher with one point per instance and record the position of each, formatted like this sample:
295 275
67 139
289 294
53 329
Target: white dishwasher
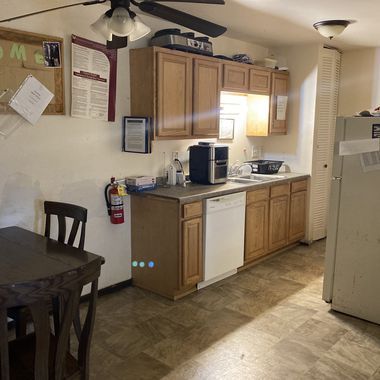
223 237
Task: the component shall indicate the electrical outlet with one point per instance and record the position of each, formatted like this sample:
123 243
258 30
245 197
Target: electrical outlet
174 155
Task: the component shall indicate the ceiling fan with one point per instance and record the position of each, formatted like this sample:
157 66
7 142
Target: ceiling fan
120 22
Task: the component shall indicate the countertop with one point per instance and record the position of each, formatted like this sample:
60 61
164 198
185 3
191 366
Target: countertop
194 192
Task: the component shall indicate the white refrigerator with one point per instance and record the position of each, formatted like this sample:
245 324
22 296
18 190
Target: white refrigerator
352 266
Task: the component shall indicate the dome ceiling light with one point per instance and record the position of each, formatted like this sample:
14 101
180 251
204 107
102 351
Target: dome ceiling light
331 28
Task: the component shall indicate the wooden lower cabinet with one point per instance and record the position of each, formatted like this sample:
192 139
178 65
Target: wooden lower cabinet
192 257
297 210
256 224
170 235
278 222
256 230
275 218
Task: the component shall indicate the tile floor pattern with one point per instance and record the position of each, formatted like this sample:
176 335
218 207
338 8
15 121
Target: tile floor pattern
268 322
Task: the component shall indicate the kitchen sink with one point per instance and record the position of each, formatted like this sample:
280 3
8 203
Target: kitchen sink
255 178
243 179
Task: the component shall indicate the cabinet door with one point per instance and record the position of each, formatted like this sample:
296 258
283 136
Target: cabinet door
235 78
206 99
174 95
259 81
297 216
192 253
278 222
256 230
279 88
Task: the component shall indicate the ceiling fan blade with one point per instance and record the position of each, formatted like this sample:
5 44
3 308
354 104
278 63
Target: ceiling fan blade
54 9
182 18
215 2
117 42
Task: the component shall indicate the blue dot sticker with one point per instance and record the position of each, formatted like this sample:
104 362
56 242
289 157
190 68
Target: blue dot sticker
141 264
134 263
151 264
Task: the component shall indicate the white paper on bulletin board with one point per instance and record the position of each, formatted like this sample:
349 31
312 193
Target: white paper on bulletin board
282 102
31 99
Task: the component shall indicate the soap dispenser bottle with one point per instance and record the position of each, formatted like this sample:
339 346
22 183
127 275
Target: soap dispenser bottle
172 174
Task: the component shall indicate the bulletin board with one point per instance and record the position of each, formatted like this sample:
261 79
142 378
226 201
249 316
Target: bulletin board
22 53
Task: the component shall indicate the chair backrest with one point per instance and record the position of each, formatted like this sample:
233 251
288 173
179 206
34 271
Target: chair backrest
63 211
42 355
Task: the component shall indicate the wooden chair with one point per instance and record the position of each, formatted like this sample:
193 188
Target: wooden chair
62 211
44 355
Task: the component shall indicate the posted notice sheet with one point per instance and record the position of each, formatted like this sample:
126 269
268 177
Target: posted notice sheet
31 99
93 80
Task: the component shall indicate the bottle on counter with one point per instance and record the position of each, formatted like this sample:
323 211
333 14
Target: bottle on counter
172 174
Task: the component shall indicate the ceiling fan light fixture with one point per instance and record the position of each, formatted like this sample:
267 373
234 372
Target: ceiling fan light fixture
101 27
331 28
140 29
121 24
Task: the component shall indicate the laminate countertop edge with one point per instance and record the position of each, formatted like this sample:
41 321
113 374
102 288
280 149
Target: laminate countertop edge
195 192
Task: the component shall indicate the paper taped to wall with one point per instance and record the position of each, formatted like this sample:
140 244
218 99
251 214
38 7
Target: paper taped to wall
282 102
347 148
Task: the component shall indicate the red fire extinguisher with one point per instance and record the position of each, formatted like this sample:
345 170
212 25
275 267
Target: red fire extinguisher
114 202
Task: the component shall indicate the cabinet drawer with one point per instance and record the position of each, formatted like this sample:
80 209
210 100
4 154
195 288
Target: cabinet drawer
192 209
257 195
299 186
278 190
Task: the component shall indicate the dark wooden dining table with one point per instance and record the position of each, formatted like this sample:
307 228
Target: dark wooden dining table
33 267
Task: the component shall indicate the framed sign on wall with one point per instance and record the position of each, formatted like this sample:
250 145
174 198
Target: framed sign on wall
136 134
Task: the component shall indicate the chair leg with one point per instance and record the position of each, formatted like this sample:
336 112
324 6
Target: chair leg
77 325
85 340
56 315
20 324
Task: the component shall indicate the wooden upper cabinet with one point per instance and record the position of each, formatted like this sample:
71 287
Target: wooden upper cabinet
192 251
206 98
174 95
279 88
260 81
170 87
235 77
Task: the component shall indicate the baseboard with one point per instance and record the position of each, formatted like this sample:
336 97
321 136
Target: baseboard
109 289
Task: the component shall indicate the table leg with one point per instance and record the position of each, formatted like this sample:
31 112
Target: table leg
40 314
4 354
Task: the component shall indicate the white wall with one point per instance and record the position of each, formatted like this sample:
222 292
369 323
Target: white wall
71 160
296 147
360 81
